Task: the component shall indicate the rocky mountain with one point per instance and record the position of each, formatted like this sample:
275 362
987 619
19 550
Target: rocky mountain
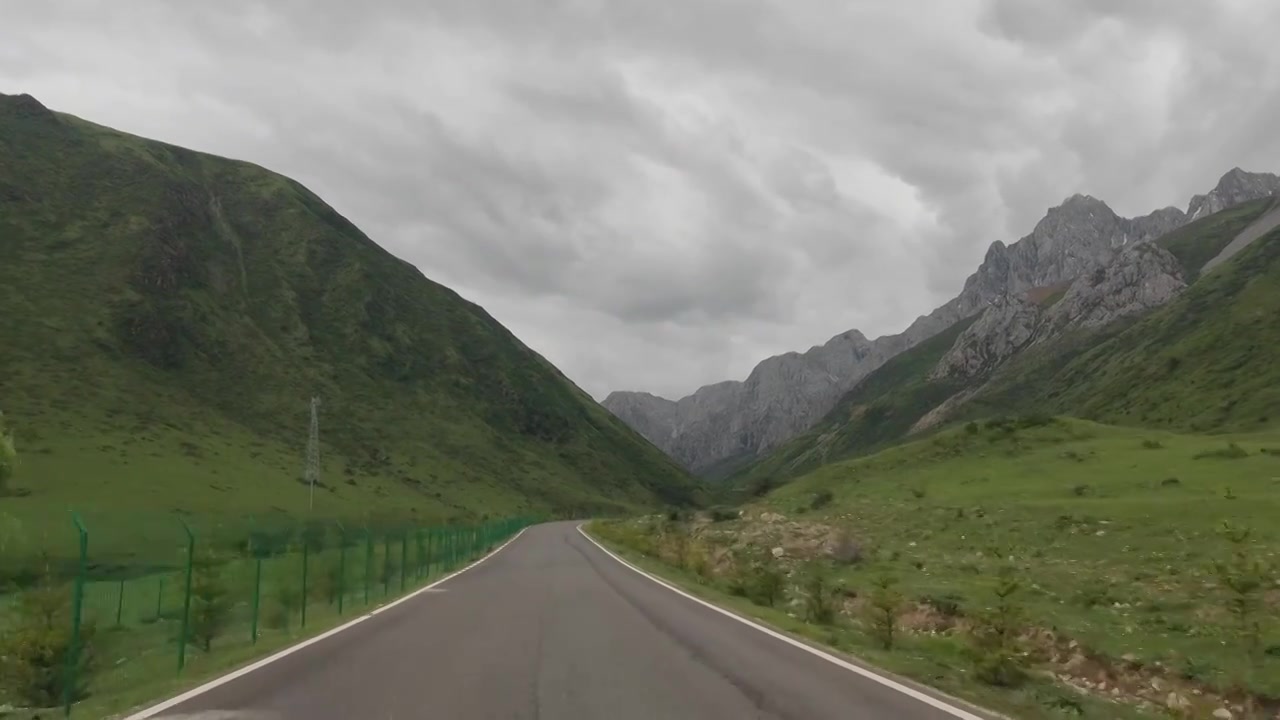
1178 335
785 395
1141 277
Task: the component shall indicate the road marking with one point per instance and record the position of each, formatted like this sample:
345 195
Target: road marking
857 669
155 710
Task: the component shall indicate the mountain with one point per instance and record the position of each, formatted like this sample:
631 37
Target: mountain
169 314
1101 349
786 395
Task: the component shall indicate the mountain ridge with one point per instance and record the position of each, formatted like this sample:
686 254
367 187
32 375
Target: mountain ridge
786 394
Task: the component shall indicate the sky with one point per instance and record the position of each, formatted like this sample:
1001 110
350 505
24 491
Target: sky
658 195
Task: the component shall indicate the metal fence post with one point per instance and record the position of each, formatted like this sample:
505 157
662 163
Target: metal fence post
159 595
431 535
186 602
386 565
404 556
306 543
368 562
119 601
72 668
342 565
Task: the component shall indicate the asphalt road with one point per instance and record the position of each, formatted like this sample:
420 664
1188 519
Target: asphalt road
553 628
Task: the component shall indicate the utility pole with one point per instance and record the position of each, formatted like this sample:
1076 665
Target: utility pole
313 451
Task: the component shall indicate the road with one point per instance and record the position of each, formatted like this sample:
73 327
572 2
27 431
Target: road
553 628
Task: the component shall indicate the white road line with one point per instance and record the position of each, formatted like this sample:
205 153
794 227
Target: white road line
887 682
155 710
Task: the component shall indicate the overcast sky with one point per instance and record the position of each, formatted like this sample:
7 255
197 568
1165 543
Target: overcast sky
656 195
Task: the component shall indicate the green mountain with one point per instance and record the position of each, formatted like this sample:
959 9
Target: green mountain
1199 363
168 314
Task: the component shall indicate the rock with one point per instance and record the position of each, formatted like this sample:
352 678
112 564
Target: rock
778 552
1076 662
1139 278
1157 684
1174 701
1004 328
1223 714
1129 658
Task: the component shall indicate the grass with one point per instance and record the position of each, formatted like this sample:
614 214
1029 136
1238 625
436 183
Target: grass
1113 532
1196 243
169 314
933 661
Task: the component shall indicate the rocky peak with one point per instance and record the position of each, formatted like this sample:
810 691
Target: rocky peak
1233 188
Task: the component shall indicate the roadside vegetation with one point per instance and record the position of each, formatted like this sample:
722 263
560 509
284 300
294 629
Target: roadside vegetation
1042 566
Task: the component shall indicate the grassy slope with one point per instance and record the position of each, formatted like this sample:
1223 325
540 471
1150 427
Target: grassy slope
169 313
1215 331
878 410
1092 518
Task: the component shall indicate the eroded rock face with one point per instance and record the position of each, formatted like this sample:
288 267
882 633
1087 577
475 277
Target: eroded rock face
1235 187
1004 328
1142 277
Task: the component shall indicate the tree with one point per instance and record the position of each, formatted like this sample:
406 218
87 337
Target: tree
8 456
995 635
819 601
34 647
210 604
1244 576
886 603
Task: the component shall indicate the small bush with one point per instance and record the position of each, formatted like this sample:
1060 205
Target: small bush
821 499
285 601
1081 490
764 583
917 493
8 457
995 636
948 605
722 514
971 428
1170 482
845 549
1150 444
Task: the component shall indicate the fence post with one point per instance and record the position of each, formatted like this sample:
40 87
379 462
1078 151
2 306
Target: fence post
404 556
256 554
431 535
77 605
422 553
368 562
386 565
159 596
119 602
306 544
186 602
342 565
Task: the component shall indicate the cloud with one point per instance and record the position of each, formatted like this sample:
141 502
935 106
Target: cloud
656 199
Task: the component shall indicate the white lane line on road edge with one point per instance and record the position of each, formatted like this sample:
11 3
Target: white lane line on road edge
887 682
223 680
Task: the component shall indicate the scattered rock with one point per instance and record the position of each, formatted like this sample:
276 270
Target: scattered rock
1223 714
1174 701
778 552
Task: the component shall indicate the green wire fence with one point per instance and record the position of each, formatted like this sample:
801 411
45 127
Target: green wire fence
198 595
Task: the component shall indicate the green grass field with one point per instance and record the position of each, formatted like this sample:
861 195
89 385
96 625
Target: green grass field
1113 533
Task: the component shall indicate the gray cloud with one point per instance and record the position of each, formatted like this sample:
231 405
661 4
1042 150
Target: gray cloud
659 199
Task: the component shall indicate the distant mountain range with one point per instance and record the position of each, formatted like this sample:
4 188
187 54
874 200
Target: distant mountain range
725 426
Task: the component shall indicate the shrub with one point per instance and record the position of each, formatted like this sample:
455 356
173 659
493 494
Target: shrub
1081 490
286 599
821 499
719 514
1150 444
971 428
35 646
210 604
845 549
1170 482
1244 578
948 605
764 583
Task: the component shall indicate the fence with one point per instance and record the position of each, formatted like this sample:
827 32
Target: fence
127 610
